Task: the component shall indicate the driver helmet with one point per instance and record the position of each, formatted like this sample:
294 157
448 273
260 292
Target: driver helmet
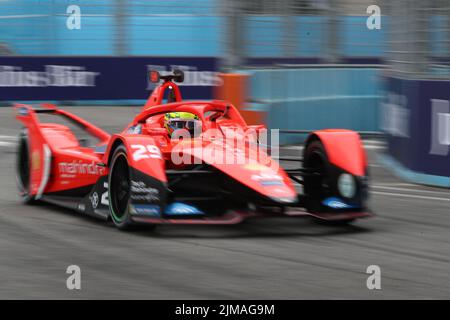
182 120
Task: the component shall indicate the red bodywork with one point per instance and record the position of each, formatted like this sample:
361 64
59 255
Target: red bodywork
64 172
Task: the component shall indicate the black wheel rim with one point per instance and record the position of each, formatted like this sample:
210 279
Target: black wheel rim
120 188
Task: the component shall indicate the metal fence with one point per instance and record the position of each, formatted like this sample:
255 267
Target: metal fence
111 27
419 38
327 29
414 37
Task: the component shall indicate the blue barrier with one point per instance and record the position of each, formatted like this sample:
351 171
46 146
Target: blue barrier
417 177
178 35
416 118
159 27
317 98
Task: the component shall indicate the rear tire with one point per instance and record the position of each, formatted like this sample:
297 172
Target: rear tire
23 169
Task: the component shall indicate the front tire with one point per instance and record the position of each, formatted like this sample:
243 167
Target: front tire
119 182
316 184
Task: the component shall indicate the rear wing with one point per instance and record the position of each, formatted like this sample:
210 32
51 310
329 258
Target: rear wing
27 115
39 146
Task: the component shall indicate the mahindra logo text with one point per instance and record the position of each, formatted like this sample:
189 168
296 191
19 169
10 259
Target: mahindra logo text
78 167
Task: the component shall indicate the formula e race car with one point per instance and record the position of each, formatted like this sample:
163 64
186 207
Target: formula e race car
208 168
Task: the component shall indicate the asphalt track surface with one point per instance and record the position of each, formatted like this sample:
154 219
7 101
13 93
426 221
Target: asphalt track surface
279 258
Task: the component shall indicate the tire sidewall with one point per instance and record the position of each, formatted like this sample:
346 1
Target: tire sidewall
316 148
126 221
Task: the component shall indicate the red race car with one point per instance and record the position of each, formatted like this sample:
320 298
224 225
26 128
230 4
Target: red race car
186 162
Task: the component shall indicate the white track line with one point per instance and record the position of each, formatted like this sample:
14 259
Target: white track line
8 137
374 147
7 144
8 141
411 190
389 184
291 147
409 196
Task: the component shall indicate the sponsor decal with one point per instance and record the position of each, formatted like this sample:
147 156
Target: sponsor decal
268 179
62 78
440 127
140 191
396 115
94 200
79 167
269 183
105 197
178 208
146 209
23 111
52 76
337 203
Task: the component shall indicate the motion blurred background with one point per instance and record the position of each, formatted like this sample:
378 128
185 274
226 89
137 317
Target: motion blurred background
293 64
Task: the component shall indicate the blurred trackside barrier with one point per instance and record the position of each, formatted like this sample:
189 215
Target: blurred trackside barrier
416 120
309 98
416 107
234 89
269 28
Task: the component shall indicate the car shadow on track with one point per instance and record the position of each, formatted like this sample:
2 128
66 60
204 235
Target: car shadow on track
280 228
256 228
